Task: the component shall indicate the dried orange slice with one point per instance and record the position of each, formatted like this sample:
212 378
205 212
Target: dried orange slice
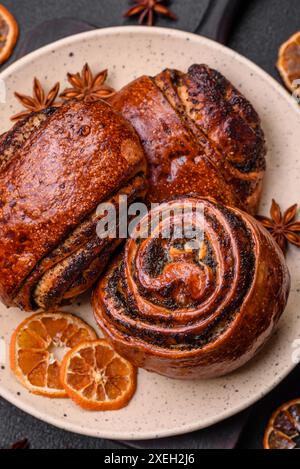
9 32
284 427
38 346
289 62
96 377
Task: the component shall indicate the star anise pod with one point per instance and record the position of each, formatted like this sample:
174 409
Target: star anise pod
39 101
283 227
86 87
146 9
21 444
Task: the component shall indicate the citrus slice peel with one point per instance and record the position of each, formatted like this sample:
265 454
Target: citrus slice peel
283 427
9 32
289 63
38 345
96 378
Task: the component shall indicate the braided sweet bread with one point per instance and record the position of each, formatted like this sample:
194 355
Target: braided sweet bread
194 312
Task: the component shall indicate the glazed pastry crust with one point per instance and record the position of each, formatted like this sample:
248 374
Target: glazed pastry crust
79 156
200 136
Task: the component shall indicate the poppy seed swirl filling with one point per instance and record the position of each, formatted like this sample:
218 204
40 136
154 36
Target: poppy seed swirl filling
174 297
198 305
74 265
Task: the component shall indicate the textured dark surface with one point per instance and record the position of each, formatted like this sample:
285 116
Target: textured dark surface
16 425
261 26
100 13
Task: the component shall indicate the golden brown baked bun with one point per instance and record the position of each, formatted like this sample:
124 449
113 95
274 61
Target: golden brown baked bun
200 136
56 167
194 313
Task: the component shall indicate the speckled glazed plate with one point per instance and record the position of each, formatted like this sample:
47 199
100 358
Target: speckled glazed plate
161 406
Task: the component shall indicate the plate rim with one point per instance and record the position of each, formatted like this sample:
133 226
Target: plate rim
209 421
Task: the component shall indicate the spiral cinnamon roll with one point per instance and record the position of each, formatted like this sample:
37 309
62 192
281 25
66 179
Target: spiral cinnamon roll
189 309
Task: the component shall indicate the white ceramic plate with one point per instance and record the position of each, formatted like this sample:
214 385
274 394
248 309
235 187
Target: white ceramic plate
164 407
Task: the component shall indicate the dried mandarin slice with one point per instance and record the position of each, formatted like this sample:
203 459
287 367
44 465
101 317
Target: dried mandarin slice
289 63
37 347
96 377
284 427
9 32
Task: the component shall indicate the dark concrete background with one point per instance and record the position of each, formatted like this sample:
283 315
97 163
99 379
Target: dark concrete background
261 26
